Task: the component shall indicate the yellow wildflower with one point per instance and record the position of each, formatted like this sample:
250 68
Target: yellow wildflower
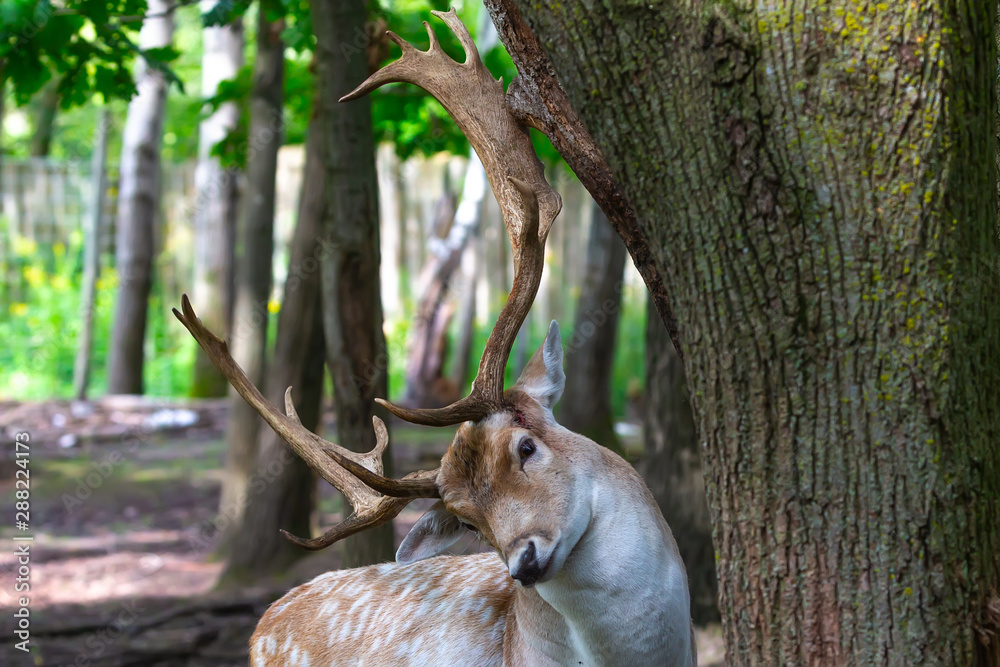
24 246
34 275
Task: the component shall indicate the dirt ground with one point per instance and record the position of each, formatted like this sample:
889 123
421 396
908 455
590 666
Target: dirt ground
119 572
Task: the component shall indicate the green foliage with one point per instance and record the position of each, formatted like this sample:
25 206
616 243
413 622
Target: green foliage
42 320
397 333
411 118
299 89
629 371
225 11
89 44
41 324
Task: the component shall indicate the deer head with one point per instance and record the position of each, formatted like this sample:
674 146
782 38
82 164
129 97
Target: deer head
528 205
511 477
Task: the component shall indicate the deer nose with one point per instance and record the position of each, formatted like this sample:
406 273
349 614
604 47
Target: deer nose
526 567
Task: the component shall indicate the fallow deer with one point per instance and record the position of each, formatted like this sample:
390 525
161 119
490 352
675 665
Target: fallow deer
586 571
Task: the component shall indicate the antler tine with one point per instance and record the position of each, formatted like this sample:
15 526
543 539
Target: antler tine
358 476
385 511
528 203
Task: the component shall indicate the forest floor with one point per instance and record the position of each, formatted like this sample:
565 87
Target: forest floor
119 571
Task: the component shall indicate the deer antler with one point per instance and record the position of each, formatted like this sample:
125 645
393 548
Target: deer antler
528 203
375 499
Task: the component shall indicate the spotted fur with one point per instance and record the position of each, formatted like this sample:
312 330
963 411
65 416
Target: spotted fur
447 610
613 592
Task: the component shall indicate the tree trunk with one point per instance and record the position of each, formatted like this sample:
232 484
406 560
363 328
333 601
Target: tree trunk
352 305
816 192
216 200
48 107
282 489
92 253
138 205
586 404
254 252
671 466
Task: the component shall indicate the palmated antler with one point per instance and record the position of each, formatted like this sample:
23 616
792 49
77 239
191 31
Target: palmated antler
376 499
528 203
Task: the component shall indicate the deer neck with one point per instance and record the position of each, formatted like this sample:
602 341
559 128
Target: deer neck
622 596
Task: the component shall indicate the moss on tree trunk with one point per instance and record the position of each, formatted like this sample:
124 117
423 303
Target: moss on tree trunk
816 183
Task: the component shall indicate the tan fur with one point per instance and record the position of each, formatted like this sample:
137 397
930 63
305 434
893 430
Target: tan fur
447 610
468 611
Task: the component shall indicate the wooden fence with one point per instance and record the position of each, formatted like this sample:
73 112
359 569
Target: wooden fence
45 203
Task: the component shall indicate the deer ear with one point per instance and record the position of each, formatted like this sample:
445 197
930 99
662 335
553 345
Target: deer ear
543 378
434 532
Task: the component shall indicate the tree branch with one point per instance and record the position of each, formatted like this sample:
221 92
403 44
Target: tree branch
536 99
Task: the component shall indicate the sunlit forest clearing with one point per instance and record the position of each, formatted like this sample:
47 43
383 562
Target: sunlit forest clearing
578 333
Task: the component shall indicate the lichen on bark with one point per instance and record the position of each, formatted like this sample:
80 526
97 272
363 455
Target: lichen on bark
817 182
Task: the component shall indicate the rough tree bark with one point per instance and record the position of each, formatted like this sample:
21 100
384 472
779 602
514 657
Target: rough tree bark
282 488
138 204
254 251
816 184
586 404
216 199
352 305
671 465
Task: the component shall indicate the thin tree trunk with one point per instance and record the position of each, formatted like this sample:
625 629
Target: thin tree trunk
817 191
138 206
283 487
671 465
92 253
586 404
352 305
216 199
48 107
254 252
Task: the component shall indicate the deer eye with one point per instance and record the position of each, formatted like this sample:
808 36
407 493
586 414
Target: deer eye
469 526
526 448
